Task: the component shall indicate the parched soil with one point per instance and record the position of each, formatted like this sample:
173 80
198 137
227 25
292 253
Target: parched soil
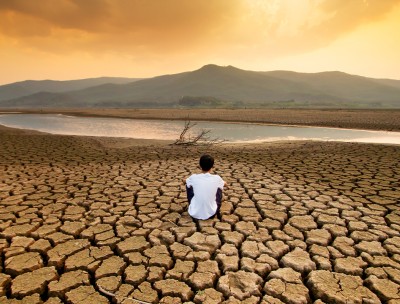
92 220
388 120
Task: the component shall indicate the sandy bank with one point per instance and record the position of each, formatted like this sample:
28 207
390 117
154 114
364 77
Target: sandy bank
388 120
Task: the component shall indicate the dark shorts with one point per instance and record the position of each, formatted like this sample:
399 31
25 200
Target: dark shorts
218 197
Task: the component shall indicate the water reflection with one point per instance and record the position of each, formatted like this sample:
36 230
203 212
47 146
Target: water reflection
170 130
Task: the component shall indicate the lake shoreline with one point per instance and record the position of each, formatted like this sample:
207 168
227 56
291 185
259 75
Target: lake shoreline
379 120
167 130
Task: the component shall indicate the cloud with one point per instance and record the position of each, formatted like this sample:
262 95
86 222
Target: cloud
119 16
86 38
347 15
85 15
274 27
284 27
115 25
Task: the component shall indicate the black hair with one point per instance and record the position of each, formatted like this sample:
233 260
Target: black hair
206 162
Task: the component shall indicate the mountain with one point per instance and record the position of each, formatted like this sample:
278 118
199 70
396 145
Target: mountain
216 86
28 87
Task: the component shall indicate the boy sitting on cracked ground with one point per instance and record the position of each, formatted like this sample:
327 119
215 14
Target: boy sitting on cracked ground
204 191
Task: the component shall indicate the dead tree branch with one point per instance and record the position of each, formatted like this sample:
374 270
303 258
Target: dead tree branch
202 138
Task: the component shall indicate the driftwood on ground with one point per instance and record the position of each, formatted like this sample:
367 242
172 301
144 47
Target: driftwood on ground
201 138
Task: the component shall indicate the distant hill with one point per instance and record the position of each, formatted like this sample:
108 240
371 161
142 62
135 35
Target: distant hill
216 86
28 87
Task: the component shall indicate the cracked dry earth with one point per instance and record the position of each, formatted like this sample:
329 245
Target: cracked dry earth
301 222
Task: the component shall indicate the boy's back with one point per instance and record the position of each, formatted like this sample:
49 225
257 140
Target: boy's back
203 203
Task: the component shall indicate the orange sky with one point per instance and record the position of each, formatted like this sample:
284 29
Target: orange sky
72 39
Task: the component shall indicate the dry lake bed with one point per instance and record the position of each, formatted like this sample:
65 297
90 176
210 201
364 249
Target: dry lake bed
102 220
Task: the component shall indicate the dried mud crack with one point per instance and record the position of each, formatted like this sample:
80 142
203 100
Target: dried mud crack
86 221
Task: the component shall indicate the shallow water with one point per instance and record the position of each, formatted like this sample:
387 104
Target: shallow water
170 130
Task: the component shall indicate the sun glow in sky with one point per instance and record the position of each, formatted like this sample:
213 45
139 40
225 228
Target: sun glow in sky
73 39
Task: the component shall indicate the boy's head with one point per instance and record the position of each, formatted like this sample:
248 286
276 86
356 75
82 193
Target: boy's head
206 162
